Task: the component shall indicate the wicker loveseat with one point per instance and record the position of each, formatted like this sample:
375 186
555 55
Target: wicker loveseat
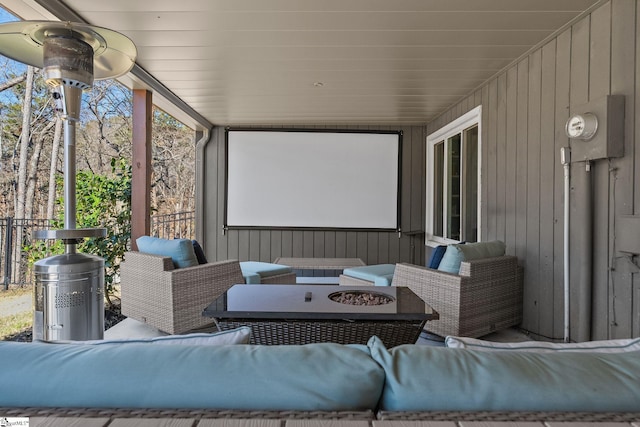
171 299
485 295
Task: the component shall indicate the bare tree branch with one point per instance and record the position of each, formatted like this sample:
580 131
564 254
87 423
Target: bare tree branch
11 83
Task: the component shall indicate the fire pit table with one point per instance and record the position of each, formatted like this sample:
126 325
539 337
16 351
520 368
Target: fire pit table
304 314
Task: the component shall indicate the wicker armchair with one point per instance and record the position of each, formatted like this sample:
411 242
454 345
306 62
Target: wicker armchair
484 297
170 299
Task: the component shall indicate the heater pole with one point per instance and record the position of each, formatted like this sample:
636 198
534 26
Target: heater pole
69 174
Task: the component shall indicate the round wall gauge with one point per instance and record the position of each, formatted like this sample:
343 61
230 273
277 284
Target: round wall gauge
582 126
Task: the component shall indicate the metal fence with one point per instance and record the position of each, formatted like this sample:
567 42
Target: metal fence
16 234
180 225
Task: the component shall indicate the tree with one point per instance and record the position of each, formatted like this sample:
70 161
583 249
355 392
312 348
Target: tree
55 147
173 153
25 138
31 164
104 201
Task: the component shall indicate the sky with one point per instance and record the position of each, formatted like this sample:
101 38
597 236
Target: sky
8 96
6 16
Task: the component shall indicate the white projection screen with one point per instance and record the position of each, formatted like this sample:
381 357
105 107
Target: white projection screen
312 179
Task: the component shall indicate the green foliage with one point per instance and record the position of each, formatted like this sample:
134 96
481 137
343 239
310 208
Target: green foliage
101 202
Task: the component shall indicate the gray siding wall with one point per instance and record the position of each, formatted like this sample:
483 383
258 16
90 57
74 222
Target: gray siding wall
524 113
268 244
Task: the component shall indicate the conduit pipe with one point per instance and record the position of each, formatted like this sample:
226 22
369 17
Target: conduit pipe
565 159
586 258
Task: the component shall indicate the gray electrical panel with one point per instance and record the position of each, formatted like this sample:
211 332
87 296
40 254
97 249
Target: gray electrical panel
628 234
608 140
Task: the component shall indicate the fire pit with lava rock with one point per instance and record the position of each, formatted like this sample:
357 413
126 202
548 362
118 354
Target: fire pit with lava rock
360 298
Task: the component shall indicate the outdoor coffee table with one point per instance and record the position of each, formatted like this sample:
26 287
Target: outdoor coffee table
304 314
320 263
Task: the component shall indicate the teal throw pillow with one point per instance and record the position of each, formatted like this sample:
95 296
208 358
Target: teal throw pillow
202 259
426 378
313 377
180 250
436 256
455 254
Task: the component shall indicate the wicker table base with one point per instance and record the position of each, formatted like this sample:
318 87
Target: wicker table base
279 332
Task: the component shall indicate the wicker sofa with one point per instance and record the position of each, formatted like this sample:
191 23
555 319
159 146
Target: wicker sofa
113 380
485 295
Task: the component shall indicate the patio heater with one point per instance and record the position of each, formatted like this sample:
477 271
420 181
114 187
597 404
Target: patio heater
68 296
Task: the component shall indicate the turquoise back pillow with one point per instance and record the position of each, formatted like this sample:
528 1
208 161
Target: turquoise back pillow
457 253
180 250
313 377
425 378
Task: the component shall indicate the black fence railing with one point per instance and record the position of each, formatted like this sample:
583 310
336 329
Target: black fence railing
16 234
179 225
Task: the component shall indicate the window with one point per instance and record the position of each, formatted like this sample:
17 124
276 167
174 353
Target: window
453 181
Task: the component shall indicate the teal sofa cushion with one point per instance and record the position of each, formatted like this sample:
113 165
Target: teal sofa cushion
603 346
251 278
180 250
314 377
457 253
424 378
378 274
240 335
263 269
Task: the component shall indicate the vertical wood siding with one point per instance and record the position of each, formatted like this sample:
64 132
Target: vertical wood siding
268 244
524 112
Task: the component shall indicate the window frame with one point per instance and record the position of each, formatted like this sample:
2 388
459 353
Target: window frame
457 126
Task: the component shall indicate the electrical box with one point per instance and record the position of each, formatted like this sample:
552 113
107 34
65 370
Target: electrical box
596 129
628 234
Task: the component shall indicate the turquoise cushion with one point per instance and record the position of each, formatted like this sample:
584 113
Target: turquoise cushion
180 250
603 346
314 377
240 335
251 278
425 378
455 254
264 269
379 274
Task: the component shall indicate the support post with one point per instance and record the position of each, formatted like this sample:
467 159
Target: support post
141 165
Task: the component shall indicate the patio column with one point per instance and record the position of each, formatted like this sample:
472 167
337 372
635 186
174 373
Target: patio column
141 165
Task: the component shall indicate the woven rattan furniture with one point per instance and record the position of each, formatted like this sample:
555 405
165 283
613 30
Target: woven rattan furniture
170 299
484 297
325 267
320 263
280 278
277 317
99 417
267 276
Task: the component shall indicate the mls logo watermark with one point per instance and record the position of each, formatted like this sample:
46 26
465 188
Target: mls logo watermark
14 421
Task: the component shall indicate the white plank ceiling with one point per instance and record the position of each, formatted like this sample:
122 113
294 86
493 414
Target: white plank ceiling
310 62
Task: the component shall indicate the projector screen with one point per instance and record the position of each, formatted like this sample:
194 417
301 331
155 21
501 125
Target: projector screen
312 179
